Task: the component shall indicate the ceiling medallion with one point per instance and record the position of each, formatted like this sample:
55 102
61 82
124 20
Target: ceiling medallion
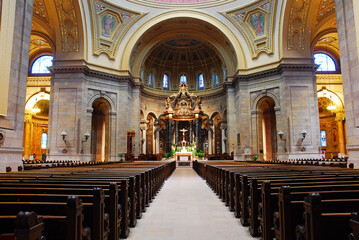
181 3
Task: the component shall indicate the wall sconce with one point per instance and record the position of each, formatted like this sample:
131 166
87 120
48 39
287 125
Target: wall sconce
63 135
86 136
304 133
281 135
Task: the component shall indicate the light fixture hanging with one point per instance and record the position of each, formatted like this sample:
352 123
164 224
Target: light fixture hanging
331 106
35 110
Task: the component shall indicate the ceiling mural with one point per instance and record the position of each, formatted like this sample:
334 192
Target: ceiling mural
329 41
326 8
183 42
40 11
110 24
256 23
38 45
181 3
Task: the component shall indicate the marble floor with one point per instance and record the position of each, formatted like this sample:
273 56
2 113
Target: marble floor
187 209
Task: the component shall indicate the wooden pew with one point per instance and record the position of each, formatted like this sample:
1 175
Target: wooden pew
73 188
270 202
62 220
216 179
327 219
292 207
93 208
23 226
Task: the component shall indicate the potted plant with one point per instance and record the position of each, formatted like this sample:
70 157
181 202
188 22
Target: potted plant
121 155
255 158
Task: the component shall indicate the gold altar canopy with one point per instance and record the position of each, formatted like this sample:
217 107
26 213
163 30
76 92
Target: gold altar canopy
183 105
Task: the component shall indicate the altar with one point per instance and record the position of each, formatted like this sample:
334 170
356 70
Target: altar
184 159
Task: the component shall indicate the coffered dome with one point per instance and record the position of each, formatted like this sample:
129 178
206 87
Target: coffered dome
183 57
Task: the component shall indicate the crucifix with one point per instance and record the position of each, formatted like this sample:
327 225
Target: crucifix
183 132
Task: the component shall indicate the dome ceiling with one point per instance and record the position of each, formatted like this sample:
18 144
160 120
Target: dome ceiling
183 35
188 56
181 3
187 52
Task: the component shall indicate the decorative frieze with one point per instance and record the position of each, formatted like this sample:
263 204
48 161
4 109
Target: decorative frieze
68 25
297 24
40 11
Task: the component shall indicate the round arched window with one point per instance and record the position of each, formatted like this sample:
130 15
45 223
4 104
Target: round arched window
325 62
41 64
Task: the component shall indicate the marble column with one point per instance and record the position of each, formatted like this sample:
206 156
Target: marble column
143 140
15 36
27 133
347 17
199 134
224 139
340 116
210 139
176 132
156 130
190 132
168 135
341 138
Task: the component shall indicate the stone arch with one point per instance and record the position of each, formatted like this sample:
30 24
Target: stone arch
319 35
262 95
31 101
100 130
338 101
136 38
93 98
267 128
142 116
151 114
213 114
68 15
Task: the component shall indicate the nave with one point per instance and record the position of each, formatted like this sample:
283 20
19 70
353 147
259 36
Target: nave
186 208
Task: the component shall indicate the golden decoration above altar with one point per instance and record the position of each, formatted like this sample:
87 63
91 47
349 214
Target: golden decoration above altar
183 105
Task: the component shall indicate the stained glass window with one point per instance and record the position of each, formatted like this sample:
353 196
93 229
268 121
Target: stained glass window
215 79
200 81
165 81
43 140
325 62
323 138
41 64
151 79
183 79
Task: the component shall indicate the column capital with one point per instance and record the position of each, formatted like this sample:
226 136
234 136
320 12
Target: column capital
340 116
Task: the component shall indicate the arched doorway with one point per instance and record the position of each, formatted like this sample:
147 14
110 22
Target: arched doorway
150 146
217 143
100 130
332 124
267 129
36 126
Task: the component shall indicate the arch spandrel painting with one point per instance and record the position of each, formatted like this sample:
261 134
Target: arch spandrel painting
256 23
110 24
181 3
